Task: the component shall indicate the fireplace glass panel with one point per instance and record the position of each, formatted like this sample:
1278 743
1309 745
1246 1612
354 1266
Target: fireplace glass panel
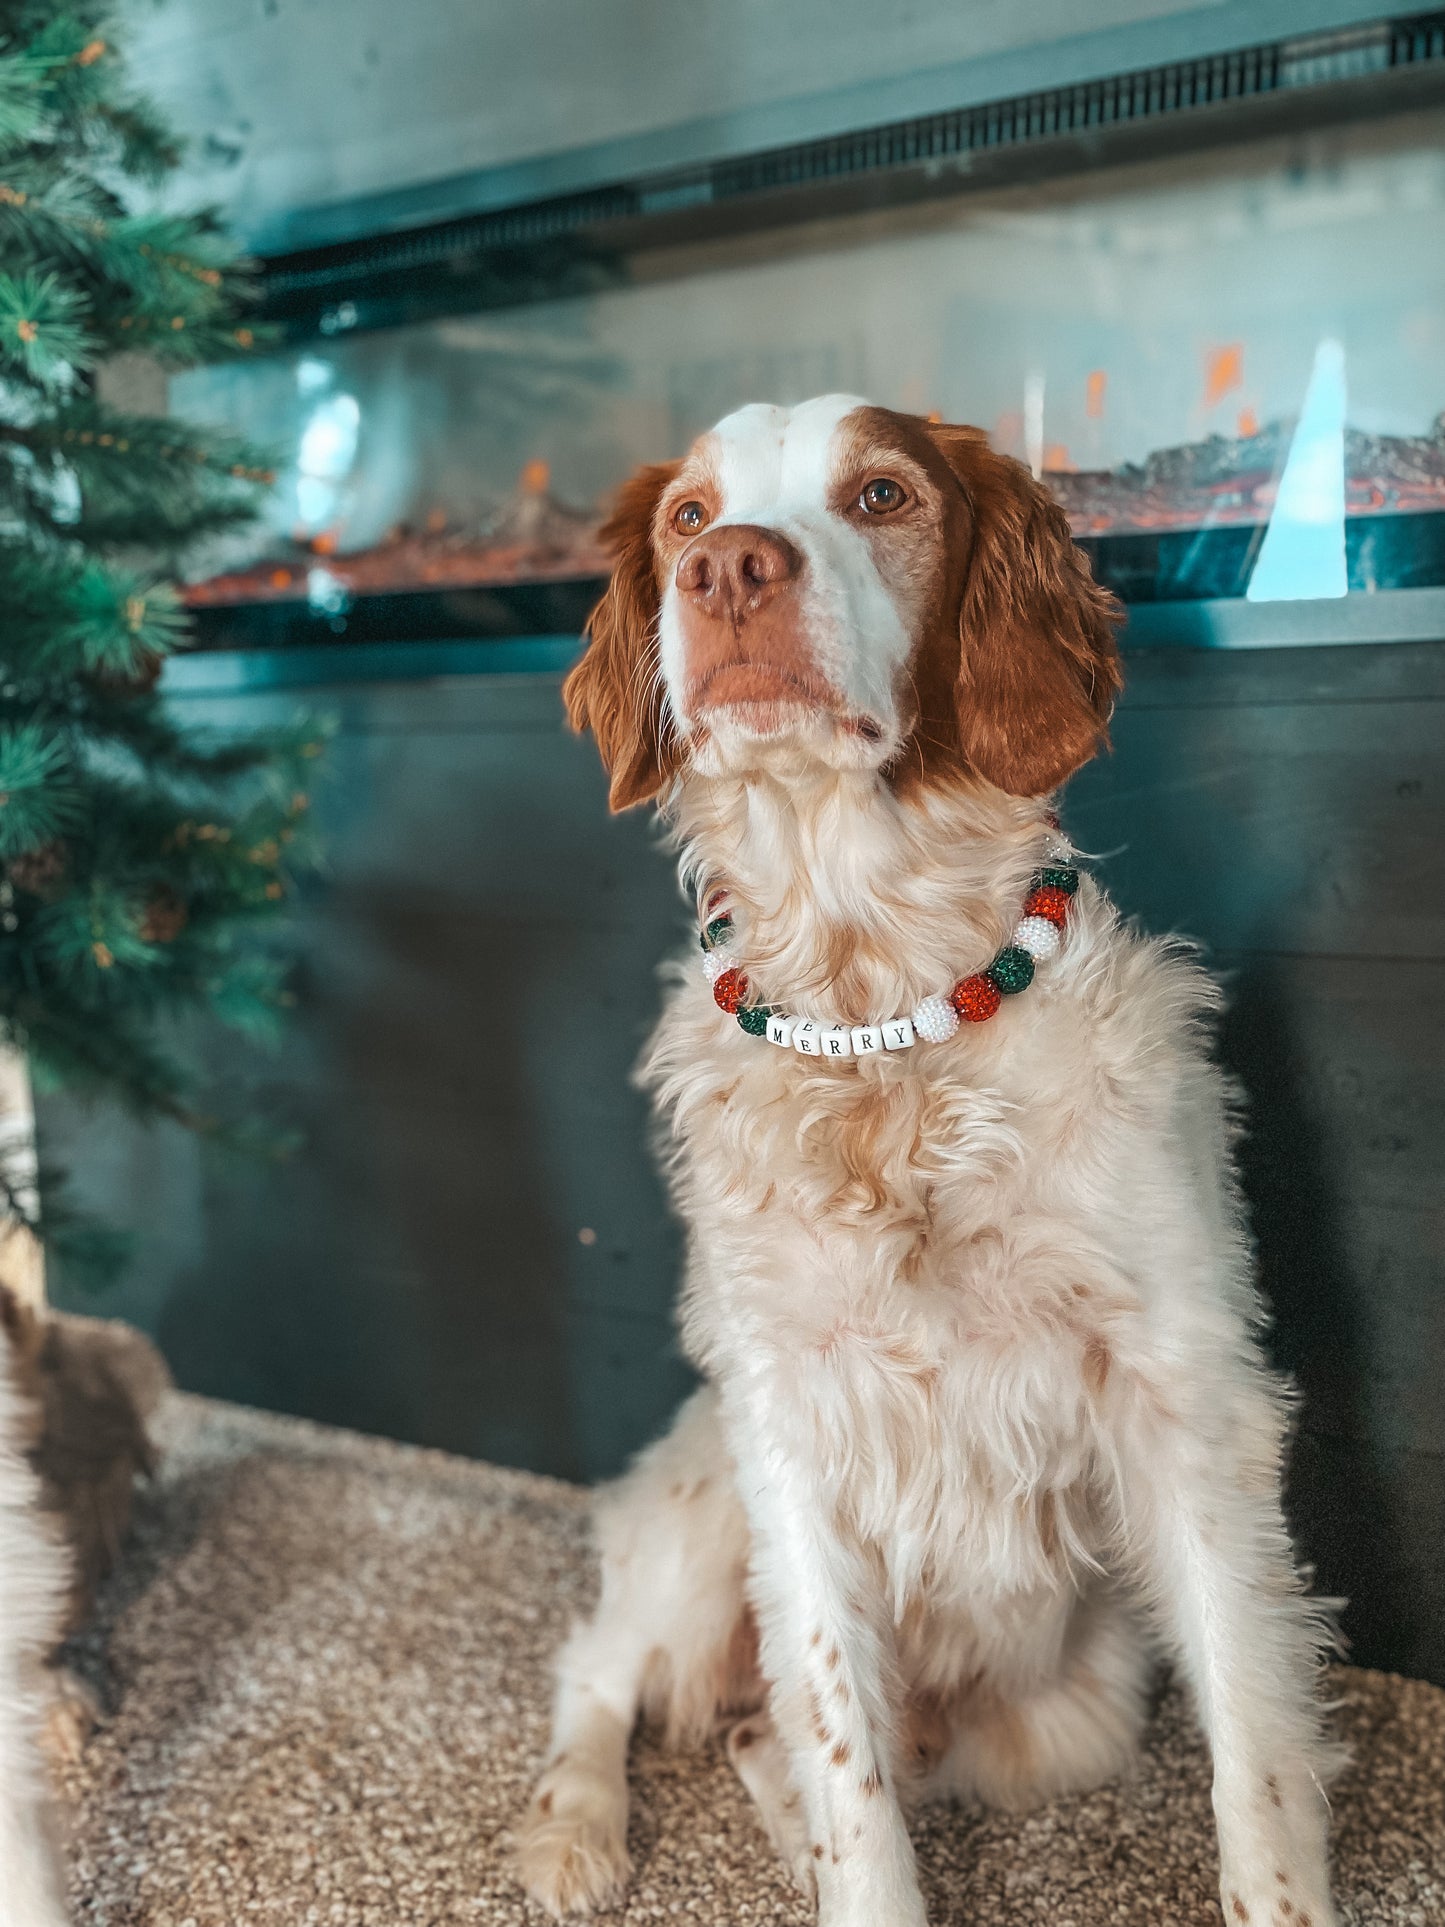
1229 367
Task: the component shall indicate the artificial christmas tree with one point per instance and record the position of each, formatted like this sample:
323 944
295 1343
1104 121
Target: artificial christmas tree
136 855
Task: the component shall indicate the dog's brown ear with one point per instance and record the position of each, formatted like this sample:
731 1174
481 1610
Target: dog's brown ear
1038 667
616 688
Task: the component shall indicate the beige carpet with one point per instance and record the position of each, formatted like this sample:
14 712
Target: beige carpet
325 1668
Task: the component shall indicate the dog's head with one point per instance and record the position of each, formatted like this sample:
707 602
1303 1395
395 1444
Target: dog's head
851 585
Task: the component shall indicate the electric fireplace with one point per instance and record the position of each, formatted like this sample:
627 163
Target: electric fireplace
1229 365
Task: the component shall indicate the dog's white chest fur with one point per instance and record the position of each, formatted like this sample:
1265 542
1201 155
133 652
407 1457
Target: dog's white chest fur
882 1267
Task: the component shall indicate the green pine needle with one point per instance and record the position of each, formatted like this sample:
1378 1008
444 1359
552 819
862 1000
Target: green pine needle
68 613
43 329
39 796
23 75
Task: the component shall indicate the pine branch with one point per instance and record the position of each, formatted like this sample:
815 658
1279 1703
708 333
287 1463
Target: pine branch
49 215
133 727
103 479
39 796
91 1252
145 147
61 61
164 530
175 341
122 458
23 76
43 328
175 264
68 1049
198 763
68 613
170 283
46 500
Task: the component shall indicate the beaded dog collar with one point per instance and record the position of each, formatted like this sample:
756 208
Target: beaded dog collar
972 1000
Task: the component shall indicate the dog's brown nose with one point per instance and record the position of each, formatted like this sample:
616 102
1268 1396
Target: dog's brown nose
729 572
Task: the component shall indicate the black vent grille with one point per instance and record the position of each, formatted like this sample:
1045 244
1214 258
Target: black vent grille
1010 123
302 280
1126 99
511 228
1422 38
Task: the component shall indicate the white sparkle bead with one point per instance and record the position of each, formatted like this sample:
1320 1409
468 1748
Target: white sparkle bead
836 1041
867 1039
1039 937
935 1020
898 1034
714 963
805 1038
1059 852
780 1031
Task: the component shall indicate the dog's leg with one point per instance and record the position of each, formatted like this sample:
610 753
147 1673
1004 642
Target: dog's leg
1201 1513
670 1634
31 1887
761 1762
572 1847
1068 1735
827 1647
32 1591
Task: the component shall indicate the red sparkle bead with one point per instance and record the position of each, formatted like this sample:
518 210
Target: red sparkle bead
1048 901
731 991
975 999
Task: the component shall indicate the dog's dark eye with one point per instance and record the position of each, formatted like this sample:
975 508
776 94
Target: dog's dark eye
691 517
882 496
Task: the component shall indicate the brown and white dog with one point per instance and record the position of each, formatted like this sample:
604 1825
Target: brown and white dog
33 1579
985 1423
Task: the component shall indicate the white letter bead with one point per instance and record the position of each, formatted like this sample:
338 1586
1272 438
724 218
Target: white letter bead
867 1038
1038 936
836 1041
935 1020
805 1038
780 1031
898 1035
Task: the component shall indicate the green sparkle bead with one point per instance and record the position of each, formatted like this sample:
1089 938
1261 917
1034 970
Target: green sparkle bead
1059 880
754 1019
1012 970
717 932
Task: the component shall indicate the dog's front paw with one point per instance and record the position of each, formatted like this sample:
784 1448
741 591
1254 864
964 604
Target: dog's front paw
571 1853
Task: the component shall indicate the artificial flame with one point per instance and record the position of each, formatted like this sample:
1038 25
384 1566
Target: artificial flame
1223 370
